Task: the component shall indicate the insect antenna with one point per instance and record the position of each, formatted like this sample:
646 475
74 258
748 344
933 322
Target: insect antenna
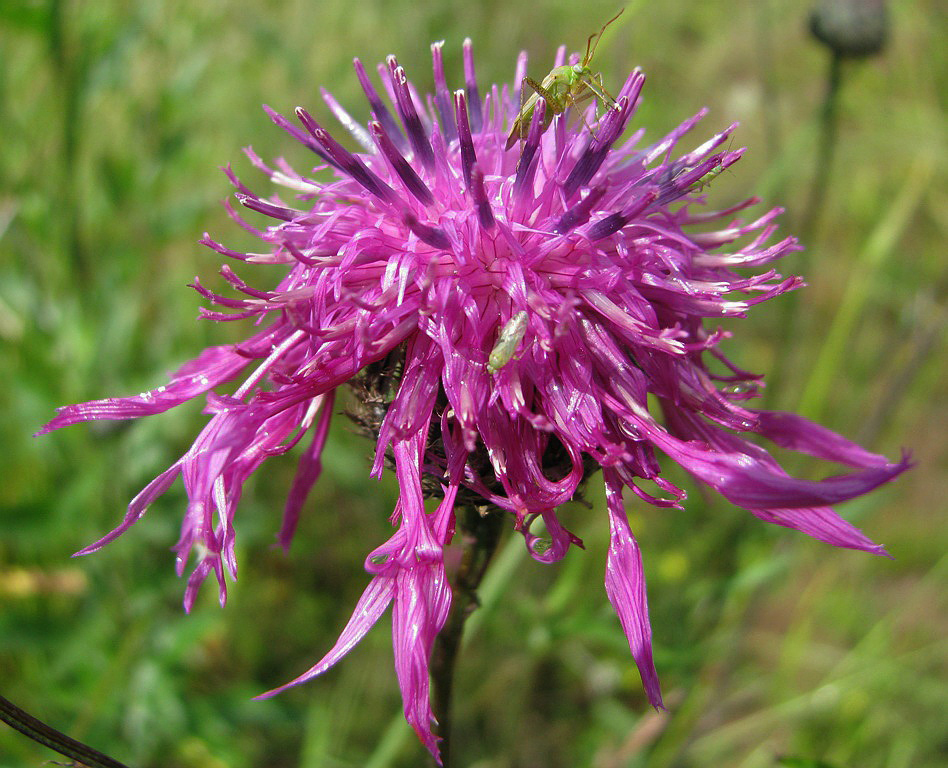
598 37
588 57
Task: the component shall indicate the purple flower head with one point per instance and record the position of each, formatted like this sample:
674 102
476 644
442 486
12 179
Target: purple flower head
504 317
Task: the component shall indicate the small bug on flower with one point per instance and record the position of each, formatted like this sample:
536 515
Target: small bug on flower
566 86
510 336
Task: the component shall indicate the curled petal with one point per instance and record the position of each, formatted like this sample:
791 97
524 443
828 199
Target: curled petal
422 601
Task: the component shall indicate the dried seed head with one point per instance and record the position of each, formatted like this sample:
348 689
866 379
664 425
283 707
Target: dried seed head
851 28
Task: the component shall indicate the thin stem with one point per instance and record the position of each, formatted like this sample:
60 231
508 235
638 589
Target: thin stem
922 351
70 68
37 730
829 129
770 103
480 535
826 151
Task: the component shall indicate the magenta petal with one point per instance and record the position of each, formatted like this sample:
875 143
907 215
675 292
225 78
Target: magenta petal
750 478
422 600
137 507
799 434
821 523
310 467
375 599
625 586
750 484
422 592
212 367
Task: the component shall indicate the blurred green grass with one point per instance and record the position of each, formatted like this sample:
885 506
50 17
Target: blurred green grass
114 119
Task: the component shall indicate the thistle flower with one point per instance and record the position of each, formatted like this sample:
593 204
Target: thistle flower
504 317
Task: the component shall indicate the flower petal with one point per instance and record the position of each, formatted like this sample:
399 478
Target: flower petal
375 599
625 586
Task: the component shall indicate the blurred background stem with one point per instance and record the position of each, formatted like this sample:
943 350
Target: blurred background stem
828 119
68 68
825 152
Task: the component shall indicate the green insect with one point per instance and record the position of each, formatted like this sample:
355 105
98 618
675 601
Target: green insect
566 86
507 341
711 175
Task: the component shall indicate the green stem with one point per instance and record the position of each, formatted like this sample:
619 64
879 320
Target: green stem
70 76
826 151
829 130
770 103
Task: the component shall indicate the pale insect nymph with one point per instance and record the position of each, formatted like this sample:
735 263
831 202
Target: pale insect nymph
510 336
566 86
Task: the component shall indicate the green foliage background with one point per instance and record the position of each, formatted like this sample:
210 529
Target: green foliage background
773 649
